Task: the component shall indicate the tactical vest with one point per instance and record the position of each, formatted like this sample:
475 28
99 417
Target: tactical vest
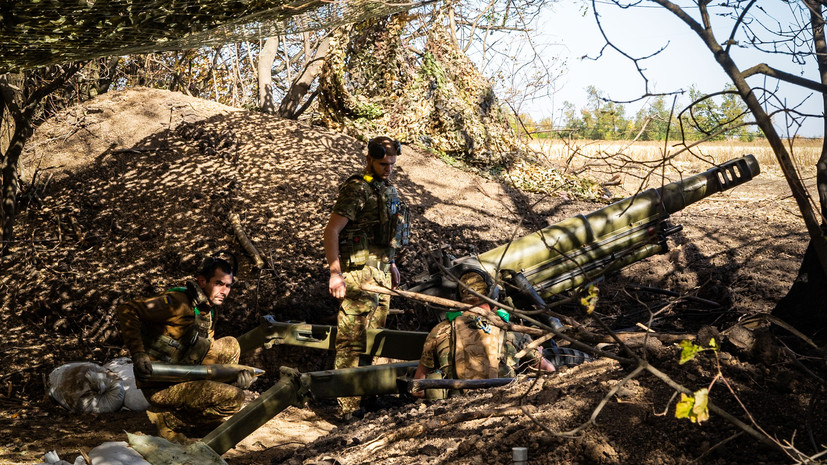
376 246
477 347
189 349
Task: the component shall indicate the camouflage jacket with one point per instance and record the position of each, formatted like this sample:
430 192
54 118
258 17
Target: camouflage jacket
358 203
438 353
377 220
170 314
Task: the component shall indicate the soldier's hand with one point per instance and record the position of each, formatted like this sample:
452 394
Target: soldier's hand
337 286
396 278
141 365
245 379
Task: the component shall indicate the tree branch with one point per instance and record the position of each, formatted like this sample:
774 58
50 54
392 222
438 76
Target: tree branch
767 70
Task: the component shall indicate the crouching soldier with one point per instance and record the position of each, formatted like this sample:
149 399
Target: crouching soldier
178 327
469 346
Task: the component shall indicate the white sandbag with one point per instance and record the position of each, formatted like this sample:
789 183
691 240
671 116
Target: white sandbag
116 453
51 458
85 387
134 399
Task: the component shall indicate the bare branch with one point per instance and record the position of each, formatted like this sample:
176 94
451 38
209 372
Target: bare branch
767 70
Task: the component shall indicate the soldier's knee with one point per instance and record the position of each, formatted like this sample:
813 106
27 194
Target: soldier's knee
224 350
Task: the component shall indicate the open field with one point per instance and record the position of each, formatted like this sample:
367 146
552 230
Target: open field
632 163
805 152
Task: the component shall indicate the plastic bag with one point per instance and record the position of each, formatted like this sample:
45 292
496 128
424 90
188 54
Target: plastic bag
116 453
85 387
134 399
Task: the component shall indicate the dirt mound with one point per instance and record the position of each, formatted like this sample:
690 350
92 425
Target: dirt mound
152 179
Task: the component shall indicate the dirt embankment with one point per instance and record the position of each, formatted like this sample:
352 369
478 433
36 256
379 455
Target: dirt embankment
152 179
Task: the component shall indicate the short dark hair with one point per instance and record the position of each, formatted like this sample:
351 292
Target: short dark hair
210 264
377 147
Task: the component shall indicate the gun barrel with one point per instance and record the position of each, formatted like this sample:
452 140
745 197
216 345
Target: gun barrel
625 225
225 373
420 384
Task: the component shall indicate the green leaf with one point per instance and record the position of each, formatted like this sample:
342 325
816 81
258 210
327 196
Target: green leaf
695 407
589 301
713 345
684 406
689 351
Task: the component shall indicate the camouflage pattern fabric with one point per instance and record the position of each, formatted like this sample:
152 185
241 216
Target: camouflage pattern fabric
194 405
515 342
170 314
358 203
437 352
474 282
477 346
358 312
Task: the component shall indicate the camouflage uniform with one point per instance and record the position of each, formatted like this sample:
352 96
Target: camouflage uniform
439 351
191 404
364 258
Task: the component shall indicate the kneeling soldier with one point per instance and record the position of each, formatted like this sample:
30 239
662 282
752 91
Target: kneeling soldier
468 346
178 327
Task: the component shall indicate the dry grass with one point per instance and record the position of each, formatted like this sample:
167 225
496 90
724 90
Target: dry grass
635 163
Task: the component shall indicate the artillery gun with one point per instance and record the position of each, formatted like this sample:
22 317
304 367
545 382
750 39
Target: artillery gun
535 267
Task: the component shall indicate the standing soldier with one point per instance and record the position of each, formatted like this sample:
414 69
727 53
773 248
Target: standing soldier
368 224
178 327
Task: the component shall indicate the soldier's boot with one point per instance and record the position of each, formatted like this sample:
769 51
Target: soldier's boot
164 422
349 408
564 356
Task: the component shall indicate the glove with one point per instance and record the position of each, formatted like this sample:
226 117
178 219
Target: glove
245 379
141 365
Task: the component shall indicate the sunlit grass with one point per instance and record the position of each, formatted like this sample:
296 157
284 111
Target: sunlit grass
805 152
632 163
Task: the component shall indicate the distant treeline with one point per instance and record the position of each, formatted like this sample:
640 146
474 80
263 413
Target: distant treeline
717 117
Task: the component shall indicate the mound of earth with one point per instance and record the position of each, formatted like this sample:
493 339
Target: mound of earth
127 193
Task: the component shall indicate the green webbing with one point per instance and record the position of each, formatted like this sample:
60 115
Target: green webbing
451 316
195 309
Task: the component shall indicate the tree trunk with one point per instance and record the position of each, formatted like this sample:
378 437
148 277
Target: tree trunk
266 57
762 119
22 101
800 307
10 182
817 23
301 85
110 67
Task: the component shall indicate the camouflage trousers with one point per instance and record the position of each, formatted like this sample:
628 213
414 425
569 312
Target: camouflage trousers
359 312
200 404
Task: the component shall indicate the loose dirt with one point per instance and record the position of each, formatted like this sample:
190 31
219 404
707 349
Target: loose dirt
127 193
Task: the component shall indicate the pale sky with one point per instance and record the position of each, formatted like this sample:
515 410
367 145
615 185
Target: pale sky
640 32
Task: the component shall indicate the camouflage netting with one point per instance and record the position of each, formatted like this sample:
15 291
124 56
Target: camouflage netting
375 82
35 33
